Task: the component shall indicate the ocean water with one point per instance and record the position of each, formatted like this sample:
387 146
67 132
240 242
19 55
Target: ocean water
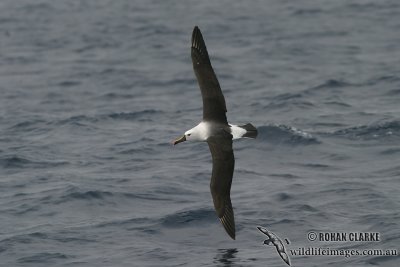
92 93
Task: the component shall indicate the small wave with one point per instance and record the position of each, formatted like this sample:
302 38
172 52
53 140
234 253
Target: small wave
383 260
283 196
14 162
26 125
304 207
337 103
69 83
120 223
42 258
315 166
289 100
73 194
132 151
391 151
25 208
89 195
371 132
309 11
302 98
328 124
287 96
285 221
391 171
38 235
60 236
184 218
277 133
383 79
143 115
81 120
329 84
132 115
390 78
284 175
77 120
394 92
20 162
117 96
146 196
38 7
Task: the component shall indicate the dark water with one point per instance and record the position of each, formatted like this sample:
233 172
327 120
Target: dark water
92 92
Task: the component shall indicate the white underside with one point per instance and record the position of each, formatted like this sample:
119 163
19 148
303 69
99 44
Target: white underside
202 131
237 132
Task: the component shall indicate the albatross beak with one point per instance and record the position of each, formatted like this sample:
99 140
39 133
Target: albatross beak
179 140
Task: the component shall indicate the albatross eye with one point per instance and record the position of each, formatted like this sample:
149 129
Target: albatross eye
188 134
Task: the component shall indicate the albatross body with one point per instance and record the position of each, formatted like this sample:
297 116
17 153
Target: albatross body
216 131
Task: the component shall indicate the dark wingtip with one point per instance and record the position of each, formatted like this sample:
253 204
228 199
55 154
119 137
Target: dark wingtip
229 226
196 29
196 36
228 220
230 230
262 230
199 49
287 261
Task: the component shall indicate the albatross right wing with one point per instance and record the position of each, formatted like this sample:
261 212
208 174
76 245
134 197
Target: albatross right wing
214 107
221 179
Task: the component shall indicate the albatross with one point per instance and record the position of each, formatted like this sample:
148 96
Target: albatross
216 131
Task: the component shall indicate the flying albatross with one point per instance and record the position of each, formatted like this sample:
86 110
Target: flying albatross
216 131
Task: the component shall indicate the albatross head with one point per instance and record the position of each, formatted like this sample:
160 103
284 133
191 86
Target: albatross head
198 133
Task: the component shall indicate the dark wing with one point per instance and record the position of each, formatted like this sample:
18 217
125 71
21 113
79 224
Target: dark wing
264 231
221 179
214 107
284 256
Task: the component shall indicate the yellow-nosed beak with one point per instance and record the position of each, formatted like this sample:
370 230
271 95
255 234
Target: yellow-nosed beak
179 140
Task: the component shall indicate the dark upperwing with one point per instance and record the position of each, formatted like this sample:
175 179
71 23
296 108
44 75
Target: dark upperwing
221 179
214 107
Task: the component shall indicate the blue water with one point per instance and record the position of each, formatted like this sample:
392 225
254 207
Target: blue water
92 93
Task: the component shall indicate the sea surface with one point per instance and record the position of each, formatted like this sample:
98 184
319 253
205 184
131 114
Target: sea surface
92 93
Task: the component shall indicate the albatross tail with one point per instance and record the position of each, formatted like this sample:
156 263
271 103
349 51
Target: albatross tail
251 131
240 131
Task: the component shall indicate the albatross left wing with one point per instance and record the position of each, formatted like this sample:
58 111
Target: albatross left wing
214 107
221 179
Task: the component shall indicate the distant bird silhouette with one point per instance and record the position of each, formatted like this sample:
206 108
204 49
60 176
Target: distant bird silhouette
273 239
